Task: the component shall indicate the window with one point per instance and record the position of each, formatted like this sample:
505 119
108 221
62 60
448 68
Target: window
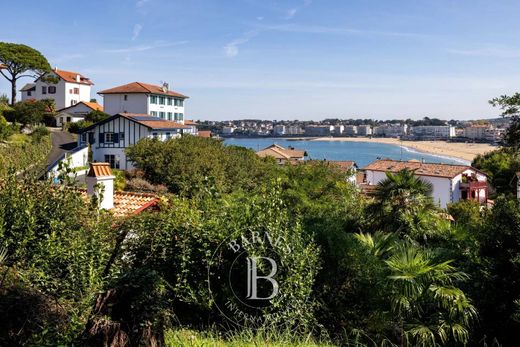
76 90
52 90
161 114
121 136
109 138
154 113
155 135
176 116
168 136
181 102
181 116
68 119
169 116
125 97
29 93
84 137
161 100
170 101
153 99
73 102
70 91
113 160
44 90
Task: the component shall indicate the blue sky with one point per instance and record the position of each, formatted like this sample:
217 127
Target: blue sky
293 59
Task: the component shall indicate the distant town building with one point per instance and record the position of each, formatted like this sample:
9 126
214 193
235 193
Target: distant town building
144 98
451 183
483 133
350 130
66 88
433 132
339 129
281 154
364 130
293 130
319 130
391 130
279 130
228 130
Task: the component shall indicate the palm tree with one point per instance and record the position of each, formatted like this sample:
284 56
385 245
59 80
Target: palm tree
403 203
430 308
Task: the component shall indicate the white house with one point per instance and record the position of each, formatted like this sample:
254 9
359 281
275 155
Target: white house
433 132
144 98
282 155
109 138
77 112
364 130
66 88
451 183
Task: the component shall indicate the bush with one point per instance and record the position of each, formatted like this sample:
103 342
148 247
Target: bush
77 127
39 133
5 129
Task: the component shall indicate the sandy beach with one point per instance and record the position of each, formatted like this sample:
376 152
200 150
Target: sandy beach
465 151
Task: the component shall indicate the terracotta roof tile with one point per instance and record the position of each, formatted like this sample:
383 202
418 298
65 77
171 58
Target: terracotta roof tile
280 152
141 88
421 169
204 133
128 203
99 170
70 76
155 123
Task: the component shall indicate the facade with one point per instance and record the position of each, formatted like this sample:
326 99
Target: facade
109 138
228 130
293 130
66 88
451 183
350 130
144 98
319 130
486 133
364 130
338 130
433 132
279 130
77 112
391 130
281 154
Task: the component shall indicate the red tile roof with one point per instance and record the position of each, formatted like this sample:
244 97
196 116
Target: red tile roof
3 66
128 203
154 123
99 170
204 133
189 122
92 105
280 152
70 76
421 169
141 88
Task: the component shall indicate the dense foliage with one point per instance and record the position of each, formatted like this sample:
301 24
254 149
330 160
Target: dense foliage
387 269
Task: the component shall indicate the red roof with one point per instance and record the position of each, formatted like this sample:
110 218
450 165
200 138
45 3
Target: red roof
419 168
128 203
99 170
141 88
92 105
204 133
154 123
71 76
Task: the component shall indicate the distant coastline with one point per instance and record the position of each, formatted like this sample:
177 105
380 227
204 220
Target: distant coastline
458 150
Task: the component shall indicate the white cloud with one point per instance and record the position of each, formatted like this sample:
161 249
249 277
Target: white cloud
136 31
231 49
143 48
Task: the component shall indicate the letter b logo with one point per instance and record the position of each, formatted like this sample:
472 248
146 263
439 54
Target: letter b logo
252 278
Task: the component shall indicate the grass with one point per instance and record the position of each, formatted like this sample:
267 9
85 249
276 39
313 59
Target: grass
19 138
191 338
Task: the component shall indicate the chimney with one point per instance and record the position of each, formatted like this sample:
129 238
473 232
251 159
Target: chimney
100 182
78 79
55 68
165 87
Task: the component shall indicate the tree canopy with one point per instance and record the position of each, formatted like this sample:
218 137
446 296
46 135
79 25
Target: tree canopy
21 61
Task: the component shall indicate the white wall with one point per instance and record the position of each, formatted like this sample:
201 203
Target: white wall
116 103
75 159
63 98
